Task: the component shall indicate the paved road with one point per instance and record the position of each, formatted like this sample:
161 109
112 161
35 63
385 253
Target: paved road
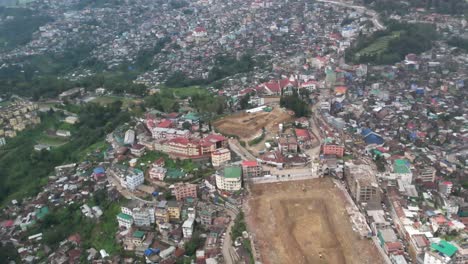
235 146
229 254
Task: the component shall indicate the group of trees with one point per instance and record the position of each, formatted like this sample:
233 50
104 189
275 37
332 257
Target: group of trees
458 42
164 101
404 39
295 103
224 66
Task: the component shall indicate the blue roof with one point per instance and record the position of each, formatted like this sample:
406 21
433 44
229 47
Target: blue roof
148 252
99 170
374 139
366 131
151 251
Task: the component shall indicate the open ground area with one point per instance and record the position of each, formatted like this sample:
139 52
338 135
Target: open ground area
246 126
305 222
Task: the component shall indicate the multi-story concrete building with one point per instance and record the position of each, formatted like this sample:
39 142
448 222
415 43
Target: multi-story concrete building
251 169
161 213
187 228
129 138
134 179
185 190
230 179
157 173
142 215
287 145
206 216
125 220
362 183
333 150
220 156
191 148
445 187
440 253
427 174
401 171
173 209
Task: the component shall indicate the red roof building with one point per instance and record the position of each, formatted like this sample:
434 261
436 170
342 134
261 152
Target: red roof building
165 124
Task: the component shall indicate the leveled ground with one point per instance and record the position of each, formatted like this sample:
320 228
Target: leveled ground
305 222
246 126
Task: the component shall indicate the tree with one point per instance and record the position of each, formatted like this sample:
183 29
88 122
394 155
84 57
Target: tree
194 243
187 125
296 104
244 101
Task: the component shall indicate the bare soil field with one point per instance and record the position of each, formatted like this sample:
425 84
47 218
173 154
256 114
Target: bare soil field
246 126
305 222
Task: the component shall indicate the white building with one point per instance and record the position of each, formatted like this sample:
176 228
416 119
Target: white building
187 227
129 137
125 220
230 179
143 216
134 179
220 156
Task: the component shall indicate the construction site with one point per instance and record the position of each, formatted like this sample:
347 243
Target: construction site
248 126
305 222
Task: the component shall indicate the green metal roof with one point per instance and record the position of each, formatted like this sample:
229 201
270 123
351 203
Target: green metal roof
41 213
192 116
138 234
124 216
232 172
174 173
445 248
400 166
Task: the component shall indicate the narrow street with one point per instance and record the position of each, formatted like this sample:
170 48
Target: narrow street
229 254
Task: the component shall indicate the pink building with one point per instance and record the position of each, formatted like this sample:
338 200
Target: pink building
185 190
157 173
333 150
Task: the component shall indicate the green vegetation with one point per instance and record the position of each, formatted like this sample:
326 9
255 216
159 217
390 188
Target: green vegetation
393 44
458 42
62 222
52 141
9 253
257 140
24 170
164 101
185 92
238 227
296 104
244 102
150 156
201 100
19 28
195 243
224 66
236 231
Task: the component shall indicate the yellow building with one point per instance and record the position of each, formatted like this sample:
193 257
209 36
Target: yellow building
173 209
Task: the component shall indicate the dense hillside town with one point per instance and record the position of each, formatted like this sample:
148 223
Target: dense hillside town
211 131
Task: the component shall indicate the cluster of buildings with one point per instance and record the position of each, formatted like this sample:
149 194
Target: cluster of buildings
200 31
15 116
396 136
70 185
